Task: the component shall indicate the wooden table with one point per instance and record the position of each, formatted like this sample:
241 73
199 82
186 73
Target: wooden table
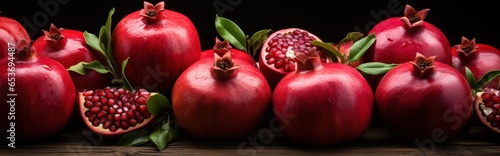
476 140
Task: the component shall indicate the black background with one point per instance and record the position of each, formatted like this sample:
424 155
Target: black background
329 20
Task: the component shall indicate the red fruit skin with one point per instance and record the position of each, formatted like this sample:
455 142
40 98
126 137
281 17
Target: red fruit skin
70 51
421 108
159 52
237 55
485 59
397 43
220 110
11 31
333 105
45 99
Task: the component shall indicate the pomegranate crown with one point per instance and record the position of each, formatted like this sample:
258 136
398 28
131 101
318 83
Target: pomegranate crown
467 46
221 47
54 34
308 61
422 64
224 66
412 18
25 50
150 12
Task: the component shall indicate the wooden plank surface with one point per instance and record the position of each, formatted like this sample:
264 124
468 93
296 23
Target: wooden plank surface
477 140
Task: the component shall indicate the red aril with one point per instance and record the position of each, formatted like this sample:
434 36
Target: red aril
487 106
277 53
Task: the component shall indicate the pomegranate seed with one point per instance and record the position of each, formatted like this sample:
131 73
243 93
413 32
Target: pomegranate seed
95 123
101 114
119 103
133 108
92 118
88 113
140 119
496 99
141 101
116 95
278 64
110 117
97 104
270 61
490 118
132 122
123 117
143 108
105 108
111 102
88 93
113 128
125 125
109 96
95 110
112 111
88 98
103 121
107 125
496 106
497 118
127 104
111 90
95 98
119 111
118 124
88 104
489 104
121 90
117 117
103 99
494 112
146 115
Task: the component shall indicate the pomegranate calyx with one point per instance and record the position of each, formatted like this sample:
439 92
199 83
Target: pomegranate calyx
310 61
54 34
467 47
221 47
412 18
25 50
422 64
150 11
224 66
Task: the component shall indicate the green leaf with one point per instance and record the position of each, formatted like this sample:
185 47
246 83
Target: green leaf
470 78
258 39
375 68
163 135
93 42
231 32
489 76
359 47
125 82
106 38
331 50
351 36
82 67
135 138
157 103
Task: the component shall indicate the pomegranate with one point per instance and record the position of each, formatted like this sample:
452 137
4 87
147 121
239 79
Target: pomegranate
11 31
113 112
480 58
221 47
487 107
68 47
398 39
277 53
332 102
160 43
39 92
421 98
220 100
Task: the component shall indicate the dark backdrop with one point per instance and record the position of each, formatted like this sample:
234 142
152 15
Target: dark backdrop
328 20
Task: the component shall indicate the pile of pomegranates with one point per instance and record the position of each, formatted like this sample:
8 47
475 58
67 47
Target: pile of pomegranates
404 70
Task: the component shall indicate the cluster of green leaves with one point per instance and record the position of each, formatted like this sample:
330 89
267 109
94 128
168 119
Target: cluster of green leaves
478 85
163 130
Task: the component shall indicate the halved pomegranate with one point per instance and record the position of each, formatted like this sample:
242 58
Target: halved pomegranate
278 53
487 106
113 112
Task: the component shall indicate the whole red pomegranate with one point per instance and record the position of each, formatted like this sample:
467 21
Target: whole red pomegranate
277 53
422 98
113 112
221 47
11 31
160 43
68 47
487 107
480 58
39 92
398 39
332 102
220 100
